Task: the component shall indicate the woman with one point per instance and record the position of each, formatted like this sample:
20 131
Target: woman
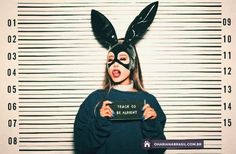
95 131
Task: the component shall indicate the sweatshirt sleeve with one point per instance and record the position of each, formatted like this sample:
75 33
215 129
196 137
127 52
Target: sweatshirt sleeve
154 129
90 131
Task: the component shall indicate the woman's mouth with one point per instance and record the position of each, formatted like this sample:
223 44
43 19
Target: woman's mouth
116 73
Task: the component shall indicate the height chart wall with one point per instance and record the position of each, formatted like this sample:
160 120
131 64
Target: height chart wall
50 61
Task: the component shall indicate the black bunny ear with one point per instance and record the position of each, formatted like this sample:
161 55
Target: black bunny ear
103 29
140 24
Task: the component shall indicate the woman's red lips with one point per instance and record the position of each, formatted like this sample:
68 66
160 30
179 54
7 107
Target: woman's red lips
116 73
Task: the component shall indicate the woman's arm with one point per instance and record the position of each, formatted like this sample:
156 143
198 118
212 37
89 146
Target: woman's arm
90 131
154 128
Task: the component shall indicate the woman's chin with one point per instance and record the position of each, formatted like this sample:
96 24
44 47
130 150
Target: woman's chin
117 80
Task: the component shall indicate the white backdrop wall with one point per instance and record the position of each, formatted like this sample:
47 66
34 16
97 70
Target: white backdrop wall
60 63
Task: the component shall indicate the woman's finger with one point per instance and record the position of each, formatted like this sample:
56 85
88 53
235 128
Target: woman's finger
149 113
146 106
105 103
105 112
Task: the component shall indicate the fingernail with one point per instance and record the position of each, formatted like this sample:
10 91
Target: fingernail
143 118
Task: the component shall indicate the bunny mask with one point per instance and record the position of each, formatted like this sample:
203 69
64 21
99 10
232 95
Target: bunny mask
106 35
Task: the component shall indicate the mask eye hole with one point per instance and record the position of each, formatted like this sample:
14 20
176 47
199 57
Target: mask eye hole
110 57
123 57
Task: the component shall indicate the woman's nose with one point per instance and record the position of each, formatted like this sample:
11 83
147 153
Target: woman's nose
115 64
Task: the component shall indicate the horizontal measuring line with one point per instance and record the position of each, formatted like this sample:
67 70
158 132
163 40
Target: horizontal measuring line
69 23
52 101
181 71
47 48
193 118
164 36
51 97
112 2
192 109
33 56
190 13
47 111
186 105
86 52
55 31
167 38
180 46
91 74
80 25
56 72
203 88
195 131
46 115
44 81
193 113
187 22
211 72
195 5
190 112
46 31
68 132
180 96
45 123
45 141
86 83
78 43
86 13
48 23
44 149
169 127
165 131
170 83
79 6
57 64
56 42
161 12
45 137
52 15
183 112
58 89
194 122
190 101
42 120
43 128
84 28
49 39
37 106
51 94
86 63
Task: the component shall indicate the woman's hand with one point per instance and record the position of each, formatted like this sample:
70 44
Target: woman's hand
149 112
105 110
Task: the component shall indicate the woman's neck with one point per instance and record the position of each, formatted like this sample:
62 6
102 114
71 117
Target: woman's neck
125 87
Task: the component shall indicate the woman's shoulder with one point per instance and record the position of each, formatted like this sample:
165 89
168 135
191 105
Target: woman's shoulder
148 94
97 93
93 98
150 97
